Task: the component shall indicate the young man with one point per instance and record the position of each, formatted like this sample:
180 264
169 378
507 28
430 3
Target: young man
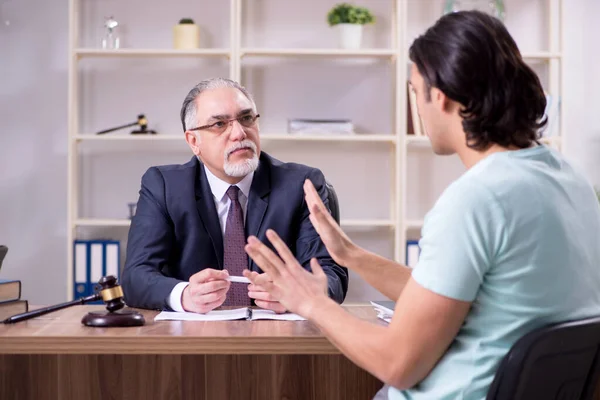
512 245
192 220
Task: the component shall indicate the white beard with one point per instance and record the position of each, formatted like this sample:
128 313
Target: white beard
242 168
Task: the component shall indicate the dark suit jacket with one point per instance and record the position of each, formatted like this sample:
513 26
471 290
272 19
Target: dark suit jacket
176 232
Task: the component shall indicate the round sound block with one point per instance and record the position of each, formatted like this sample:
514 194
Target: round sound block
113 319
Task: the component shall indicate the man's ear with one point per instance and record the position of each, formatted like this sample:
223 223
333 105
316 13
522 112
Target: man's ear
441 100
193 141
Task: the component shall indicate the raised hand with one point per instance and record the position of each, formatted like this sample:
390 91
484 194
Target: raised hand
287 282
338 244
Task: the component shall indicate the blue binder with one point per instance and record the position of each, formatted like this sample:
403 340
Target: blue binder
93 259
412 253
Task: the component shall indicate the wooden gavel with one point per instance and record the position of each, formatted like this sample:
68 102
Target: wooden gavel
110 293
142 122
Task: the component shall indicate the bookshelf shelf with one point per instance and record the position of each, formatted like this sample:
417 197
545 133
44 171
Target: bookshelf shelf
128 138
102 222
317 52
541 55
83 52
413 224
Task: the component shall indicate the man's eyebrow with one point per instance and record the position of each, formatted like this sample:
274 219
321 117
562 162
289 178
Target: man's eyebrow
220 116
245 111
227 116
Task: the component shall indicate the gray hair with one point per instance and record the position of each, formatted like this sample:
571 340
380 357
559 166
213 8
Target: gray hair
188 109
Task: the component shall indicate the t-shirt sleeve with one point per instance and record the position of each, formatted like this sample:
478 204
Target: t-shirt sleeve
461 238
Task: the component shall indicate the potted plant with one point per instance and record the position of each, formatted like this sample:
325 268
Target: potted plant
349 20
186 34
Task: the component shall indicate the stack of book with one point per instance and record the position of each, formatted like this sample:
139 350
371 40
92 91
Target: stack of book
10 294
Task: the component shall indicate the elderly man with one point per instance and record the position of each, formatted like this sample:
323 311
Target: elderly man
192 220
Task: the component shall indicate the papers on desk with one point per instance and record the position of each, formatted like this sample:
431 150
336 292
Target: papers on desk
219 315
245 313
384 310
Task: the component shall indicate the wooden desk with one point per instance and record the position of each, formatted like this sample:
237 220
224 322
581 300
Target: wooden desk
56 357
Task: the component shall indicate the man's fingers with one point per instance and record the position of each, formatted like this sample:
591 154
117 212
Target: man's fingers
271 305
212 286
322 215
207 298
316 223
263 257
282 249
211 306
207 275
255 288
316 267
310 192
266 296
256 278
312 197
268 286
252 275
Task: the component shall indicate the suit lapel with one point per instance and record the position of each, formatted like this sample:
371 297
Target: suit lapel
208 212
258 201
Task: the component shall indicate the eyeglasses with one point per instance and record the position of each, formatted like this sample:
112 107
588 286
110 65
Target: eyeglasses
247 121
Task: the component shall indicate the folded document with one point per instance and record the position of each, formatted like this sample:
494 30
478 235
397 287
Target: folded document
384 309
227 315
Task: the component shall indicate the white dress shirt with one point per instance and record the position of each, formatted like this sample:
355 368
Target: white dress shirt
222 202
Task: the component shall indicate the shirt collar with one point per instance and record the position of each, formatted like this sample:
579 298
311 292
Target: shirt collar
219 187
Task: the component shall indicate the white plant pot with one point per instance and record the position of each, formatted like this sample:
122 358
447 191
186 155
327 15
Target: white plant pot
350 35
186 36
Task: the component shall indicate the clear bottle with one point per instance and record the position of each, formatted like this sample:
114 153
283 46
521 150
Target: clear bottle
111 39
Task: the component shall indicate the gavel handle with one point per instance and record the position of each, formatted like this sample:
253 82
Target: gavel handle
46 310
116 128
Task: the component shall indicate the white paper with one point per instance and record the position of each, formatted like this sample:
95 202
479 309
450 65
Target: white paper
219 315
383 313
268 314
227 315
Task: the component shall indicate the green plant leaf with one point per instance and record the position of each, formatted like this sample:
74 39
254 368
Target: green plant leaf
345 13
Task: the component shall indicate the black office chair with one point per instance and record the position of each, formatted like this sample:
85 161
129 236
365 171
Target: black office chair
560 361
334 205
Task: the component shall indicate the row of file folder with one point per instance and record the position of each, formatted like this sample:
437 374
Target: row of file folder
93 259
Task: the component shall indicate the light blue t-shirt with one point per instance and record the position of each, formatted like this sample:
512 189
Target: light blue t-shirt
518 235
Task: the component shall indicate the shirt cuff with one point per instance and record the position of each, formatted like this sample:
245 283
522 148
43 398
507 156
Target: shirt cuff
174 299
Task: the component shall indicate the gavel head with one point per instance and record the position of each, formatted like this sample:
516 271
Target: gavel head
142 122
112 293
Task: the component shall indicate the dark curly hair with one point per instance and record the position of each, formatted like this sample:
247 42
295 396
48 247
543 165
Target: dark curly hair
472 59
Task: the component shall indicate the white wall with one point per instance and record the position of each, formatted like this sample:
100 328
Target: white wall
33 95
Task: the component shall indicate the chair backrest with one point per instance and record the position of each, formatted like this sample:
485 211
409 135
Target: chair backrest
3 251
334 206
560 361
